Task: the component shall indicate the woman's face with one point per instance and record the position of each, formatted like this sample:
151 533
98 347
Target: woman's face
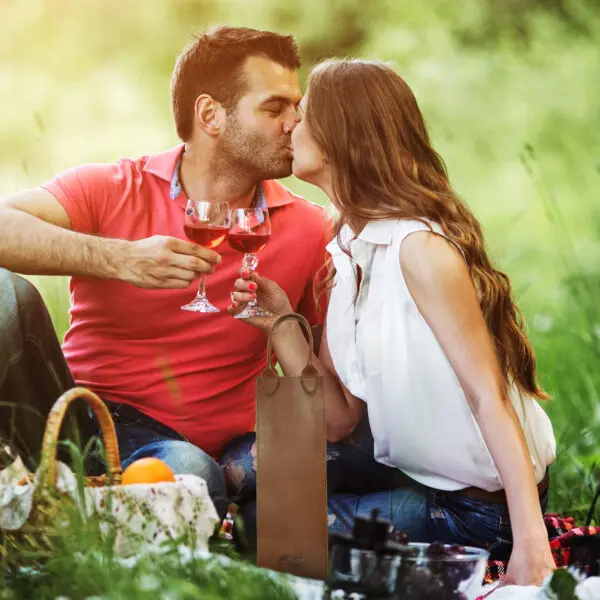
309 162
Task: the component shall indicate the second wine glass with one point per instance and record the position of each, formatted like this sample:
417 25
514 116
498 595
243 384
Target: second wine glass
249 233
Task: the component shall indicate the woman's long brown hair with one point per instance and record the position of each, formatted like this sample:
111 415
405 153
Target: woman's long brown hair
369 126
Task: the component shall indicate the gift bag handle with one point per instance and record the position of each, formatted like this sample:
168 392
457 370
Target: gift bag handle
309 377
310 369
53 426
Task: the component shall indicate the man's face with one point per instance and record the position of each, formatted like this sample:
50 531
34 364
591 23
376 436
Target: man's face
257 135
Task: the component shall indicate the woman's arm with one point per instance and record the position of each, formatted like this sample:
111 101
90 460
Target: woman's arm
342 410
440 284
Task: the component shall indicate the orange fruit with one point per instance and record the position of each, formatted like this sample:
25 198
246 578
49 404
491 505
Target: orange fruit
147 470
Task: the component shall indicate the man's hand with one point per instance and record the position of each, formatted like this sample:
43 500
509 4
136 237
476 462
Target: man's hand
162 262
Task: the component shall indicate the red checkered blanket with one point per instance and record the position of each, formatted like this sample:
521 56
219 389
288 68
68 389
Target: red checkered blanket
563 536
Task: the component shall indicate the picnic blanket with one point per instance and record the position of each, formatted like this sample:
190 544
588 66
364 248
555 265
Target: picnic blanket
565 537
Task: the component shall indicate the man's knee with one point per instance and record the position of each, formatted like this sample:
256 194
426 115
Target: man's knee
20 302
186 459
238 462
19 289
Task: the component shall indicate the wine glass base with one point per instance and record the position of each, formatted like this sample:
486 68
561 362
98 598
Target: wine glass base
200 305
253 311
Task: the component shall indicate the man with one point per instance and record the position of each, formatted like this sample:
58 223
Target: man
180 385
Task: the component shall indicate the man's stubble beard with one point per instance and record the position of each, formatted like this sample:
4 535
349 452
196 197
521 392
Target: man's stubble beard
250 155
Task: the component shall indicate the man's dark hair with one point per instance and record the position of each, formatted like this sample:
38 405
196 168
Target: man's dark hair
212 64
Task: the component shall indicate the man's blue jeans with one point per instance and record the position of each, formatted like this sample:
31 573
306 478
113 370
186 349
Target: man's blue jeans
33 372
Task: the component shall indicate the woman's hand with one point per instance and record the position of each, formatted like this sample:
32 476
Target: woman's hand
530 564
268 294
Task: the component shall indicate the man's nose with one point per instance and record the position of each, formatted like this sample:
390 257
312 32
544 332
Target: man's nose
290 124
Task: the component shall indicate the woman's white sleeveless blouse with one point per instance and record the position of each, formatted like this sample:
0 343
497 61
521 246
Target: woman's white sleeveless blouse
386 354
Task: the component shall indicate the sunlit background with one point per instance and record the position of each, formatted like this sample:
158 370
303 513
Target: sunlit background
510 89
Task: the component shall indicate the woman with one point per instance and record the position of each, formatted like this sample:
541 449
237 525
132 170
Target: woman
421 328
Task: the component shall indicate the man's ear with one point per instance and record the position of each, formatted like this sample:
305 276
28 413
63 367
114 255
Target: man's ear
210 114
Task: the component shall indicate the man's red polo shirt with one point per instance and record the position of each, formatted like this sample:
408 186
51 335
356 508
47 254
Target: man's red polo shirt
193 372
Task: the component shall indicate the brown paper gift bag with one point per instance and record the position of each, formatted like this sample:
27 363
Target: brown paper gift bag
291 468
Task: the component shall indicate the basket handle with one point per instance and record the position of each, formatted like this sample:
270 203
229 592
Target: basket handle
53 425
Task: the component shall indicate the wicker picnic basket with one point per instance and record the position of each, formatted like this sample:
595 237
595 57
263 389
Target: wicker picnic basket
35 540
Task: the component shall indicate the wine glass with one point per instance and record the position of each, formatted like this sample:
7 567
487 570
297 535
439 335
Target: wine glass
249 233
206 223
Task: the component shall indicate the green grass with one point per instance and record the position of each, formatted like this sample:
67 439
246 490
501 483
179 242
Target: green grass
93 574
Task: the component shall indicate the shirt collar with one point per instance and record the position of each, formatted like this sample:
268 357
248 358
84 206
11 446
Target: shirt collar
269 194
378 232
163 165
374 232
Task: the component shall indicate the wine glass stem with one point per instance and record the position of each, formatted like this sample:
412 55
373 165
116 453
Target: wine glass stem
201 294
250 262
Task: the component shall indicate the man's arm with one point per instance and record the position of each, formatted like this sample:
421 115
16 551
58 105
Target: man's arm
36 238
